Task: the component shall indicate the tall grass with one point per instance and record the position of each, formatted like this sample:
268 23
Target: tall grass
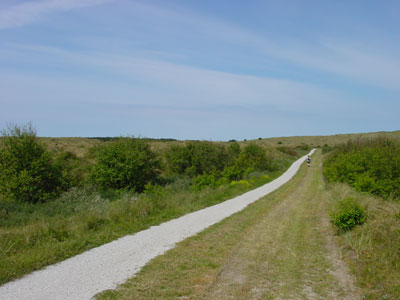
372 250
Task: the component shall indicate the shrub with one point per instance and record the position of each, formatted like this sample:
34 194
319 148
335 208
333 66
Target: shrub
368 166
234 172
254 157
348 214
28 171
202 181
126 163
196 158
204 158
233 153
74 168
178 159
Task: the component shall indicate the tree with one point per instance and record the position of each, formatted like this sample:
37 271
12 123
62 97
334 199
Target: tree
28 171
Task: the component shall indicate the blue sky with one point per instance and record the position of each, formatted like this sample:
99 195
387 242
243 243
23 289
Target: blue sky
215 70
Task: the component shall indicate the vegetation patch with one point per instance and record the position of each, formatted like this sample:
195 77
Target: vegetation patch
371 166
125 163
273 249
372 250
347 214
29 172
113 188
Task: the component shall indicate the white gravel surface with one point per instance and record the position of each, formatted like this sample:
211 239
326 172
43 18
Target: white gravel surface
105 267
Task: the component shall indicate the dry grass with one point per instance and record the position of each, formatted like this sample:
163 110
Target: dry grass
331 140
80 146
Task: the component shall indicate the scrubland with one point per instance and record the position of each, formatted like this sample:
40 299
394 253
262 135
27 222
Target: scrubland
336 222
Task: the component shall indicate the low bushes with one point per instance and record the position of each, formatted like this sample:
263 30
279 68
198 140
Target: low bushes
30 173
254 157
212 164
37 235
118 187
196 158
368 166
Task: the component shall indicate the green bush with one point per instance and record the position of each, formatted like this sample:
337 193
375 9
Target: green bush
233 153
202 181
28 171
348 214
369 166
208 162
73 167
254 157
126 163
196 158
234 172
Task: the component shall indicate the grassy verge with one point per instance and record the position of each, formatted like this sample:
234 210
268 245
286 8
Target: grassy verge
274 249
372 250
33 236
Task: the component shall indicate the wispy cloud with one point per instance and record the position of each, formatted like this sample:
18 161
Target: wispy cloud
31 11
349 60
352 58
192 70
158 82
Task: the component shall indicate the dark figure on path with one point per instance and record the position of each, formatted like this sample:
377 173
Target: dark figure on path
308 160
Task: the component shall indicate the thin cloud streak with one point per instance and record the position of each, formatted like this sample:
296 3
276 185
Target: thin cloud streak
339 58
180 84
347 59
28 12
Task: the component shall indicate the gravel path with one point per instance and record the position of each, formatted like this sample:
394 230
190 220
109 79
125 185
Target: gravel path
105 267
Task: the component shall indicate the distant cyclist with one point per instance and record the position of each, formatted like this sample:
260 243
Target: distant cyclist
308 160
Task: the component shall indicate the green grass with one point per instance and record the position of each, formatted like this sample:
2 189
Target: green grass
372 250
33 236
